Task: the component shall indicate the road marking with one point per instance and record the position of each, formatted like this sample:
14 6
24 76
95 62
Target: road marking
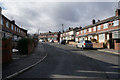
25 69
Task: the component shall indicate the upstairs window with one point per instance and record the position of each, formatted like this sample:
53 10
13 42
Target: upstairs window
81 32
105 25
15 28
94 28
77 33
1 20
99 27
90 30
7 23
116 23
85 31
12 26
19 30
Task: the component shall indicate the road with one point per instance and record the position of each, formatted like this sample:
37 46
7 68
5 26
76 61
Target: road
65 61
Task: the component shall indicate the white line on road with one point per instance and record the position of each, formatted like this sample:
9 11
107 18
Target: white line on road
25 69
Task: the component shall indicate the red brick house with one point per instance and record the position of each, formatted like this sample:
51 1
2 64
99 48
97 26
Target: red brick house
10 32
106 31
10 29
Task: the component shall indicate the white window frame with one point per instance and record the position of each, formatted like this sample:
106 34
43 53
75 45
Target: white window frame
85 31
15 28
90 30
7 24
105 26
116 23
1 20
12 26
19 30
77 33
99 27
81 32
94 28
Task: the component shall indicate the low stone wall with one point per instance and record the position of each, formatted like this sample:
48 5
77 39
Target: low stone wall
98 45
6 50
72 43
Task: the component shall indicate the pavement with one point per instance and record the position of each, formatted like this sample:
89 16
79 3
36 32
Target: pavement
69 63
24 62
111 51
117 52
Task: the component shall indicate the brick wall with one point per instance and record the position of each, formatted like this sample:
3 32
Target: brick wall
117 45
72 43
30 48
6 50
98 45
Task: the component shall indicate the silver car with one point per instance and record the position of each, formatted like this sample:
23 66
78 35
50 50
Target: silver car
84 44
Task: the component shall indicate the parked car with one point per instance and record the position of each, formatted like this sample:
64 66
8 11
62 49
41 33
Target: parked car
63 42
41 40
51 41
84 44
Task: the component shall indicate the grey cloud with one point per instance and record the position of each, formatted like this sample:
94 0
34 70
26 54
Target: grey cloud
50 16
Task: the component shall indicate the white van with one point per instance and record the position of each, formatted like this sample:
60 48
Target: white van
84 44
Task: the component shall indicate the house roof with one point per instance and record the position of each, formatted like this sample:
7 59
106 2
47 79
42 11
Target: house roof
102 21
14 23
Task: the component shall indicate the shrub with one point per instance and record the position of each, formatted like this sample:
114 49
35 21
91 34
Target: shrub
23 45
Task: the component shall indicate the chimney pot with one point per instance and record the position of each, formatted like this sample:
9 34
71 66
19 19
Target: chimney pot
93 21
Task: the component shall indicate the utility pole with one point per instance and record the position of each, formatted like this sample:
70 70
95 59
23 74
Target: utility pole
62 28
119 5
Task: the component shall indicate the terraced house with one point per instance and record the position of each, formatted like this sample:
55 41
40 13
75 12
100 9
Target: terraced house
10 29
106 32
55 36
69 34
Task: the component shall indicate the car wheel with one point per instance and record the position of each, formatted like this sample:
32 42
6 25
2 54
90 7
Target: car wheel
82 47
76 46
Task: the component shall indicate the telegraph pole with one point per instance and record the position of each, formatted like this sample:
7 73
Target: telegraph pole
119 5
62 28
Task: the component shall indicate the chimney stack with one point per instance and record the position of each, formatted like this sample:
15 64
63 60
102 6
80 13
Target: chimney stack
117 12
93 21
13 21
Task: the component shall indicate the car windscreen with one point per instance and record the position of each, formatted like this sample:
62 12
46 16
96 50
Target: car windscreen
87 41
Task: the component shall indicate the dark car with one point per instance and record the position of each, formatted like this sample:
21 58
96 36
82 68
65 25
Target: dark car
63 42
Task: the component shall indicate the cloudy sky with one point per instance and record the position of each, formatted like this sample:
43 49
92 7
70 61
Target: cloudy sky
49 16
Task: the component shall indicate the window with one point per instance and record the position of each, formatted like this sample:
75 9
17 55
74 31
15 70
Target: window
116 23
15 28
19 30
94 28
1 20
12 26
7 23
85 31
77 33
81 32
55 35
99 27
105 26
90 30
